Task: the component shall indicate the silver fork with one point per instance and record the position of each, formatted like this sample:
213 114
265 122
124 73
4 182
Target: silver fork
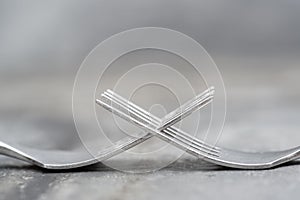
110 99
221 156
71 159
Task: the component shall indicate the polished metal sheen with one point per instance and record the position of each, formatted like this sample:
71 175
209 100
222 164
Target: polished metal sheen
70 160
161 128
217 155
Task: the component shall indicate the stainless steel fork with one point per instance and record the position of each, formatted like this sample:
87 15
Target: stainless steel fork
221 156
73 159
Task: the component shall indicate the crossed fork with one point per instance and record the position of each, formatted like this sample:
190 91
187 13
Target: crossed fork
164 129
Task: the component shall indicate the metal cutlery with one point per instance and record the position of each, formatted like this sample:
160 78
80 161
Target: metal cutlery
221 156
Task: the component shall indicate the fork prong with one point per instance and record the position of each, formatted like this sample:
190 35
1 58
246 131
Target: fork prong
187 108
175 130
181 135
121 112
125 107
173 117
192 145
112 95
181 113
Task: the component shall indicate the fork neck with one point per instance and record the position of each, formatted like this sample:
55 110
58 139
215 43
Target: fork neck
12 152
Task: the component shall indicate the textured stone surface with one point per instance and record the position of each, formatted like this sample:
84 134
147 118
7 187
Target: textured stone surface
186 178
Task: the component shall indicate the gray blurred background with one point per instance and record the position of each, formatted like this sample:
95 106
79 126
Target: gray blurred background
255 44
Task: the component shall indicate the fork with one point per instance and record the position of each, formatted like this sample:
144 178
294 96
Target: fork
114 100
70 159
217 155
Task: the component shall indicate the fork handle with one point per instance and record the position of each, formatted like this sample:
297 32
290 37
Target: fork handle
12 152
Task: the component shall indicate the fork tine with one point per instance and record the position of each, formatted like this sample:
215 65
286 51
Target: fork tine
177 131
175 134
130 105
185 107
121 112
192 145
174 130
194 140
173 117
